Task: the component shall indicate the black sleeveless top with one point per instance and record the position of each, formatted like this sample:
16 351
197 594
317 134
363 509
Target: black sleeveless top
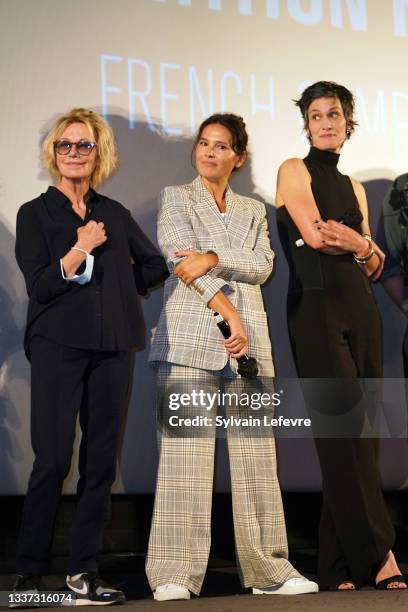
335 198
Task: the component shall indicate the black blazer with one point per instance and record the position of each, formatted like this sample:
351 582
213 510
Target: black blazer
104 314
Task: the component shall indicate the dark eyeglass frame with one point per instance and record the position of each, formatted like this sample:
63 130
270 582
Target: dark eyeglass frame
88 147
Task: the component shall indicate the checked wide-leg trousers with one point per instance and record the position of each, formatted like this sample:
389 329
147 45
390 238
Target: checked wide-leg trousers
181 529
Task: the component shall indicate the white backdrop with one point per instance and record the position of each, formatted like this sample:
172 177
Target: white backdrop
156 68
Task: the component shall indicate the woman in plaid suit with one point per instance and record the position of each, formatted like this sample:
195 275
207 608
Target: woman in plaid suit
216 244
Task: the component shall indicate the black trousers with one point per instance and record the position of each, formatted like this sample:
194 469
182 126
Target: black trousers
66 380
355 530
341 341
405 352
405 362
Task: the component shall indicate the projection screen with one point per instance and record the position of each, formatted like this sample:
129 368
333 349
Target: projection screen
155 69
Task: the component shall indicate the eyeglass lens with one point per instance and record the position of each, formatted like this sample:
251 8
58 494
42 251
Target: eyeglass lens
83 147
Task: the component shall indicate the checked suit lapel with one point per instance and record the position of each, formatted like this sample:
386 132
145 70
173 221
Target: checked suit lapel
231 234
206 207
239 219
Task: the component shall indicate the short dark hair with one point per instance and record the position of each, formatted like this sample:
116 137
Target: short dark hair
234 124
329 89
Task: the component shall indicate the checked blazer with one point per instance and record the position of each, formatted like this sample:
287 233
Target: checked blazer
186 333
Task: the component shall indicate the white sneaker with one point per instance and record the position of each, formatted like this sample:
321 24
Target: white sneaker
166 592
293 586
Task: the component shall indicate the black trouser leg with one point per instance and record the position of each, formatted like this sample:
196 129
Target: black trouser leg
332 569
355 529
56 389
107 388
405 358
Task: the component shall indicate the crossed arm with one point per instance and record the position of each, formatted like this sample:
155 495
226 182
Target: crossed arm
333 238
207 273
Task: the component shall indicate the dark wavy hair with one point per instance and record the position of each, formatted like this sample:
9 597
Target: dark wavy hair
328 89
236 127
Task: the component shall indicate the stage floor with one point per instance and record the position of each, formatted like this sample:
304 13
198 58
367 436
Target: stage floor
128 530
222 593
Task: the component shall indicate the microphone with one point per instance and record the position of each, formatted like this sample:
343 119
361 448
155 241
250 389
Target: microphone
247 366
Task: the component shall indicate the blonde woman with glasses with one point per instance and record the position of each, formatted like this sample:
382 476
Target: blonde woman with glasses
75 248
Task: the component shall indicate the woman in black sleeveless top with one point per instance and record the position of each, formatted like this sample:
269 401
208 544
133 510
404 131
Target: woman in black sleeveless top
335 333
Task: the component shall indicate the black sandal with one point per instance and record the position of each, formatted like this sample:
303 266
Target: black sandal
382 585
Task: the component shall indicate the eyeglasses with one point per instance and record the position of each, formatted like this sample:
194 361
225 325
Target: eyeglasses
83 147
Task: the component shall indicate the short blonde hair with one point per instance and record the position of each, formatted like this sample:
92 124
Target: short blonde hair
107 155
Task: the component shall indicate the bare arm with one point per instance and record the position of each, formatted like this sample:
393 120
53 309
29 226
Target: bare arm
375 265
295 192
333 238
237 343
